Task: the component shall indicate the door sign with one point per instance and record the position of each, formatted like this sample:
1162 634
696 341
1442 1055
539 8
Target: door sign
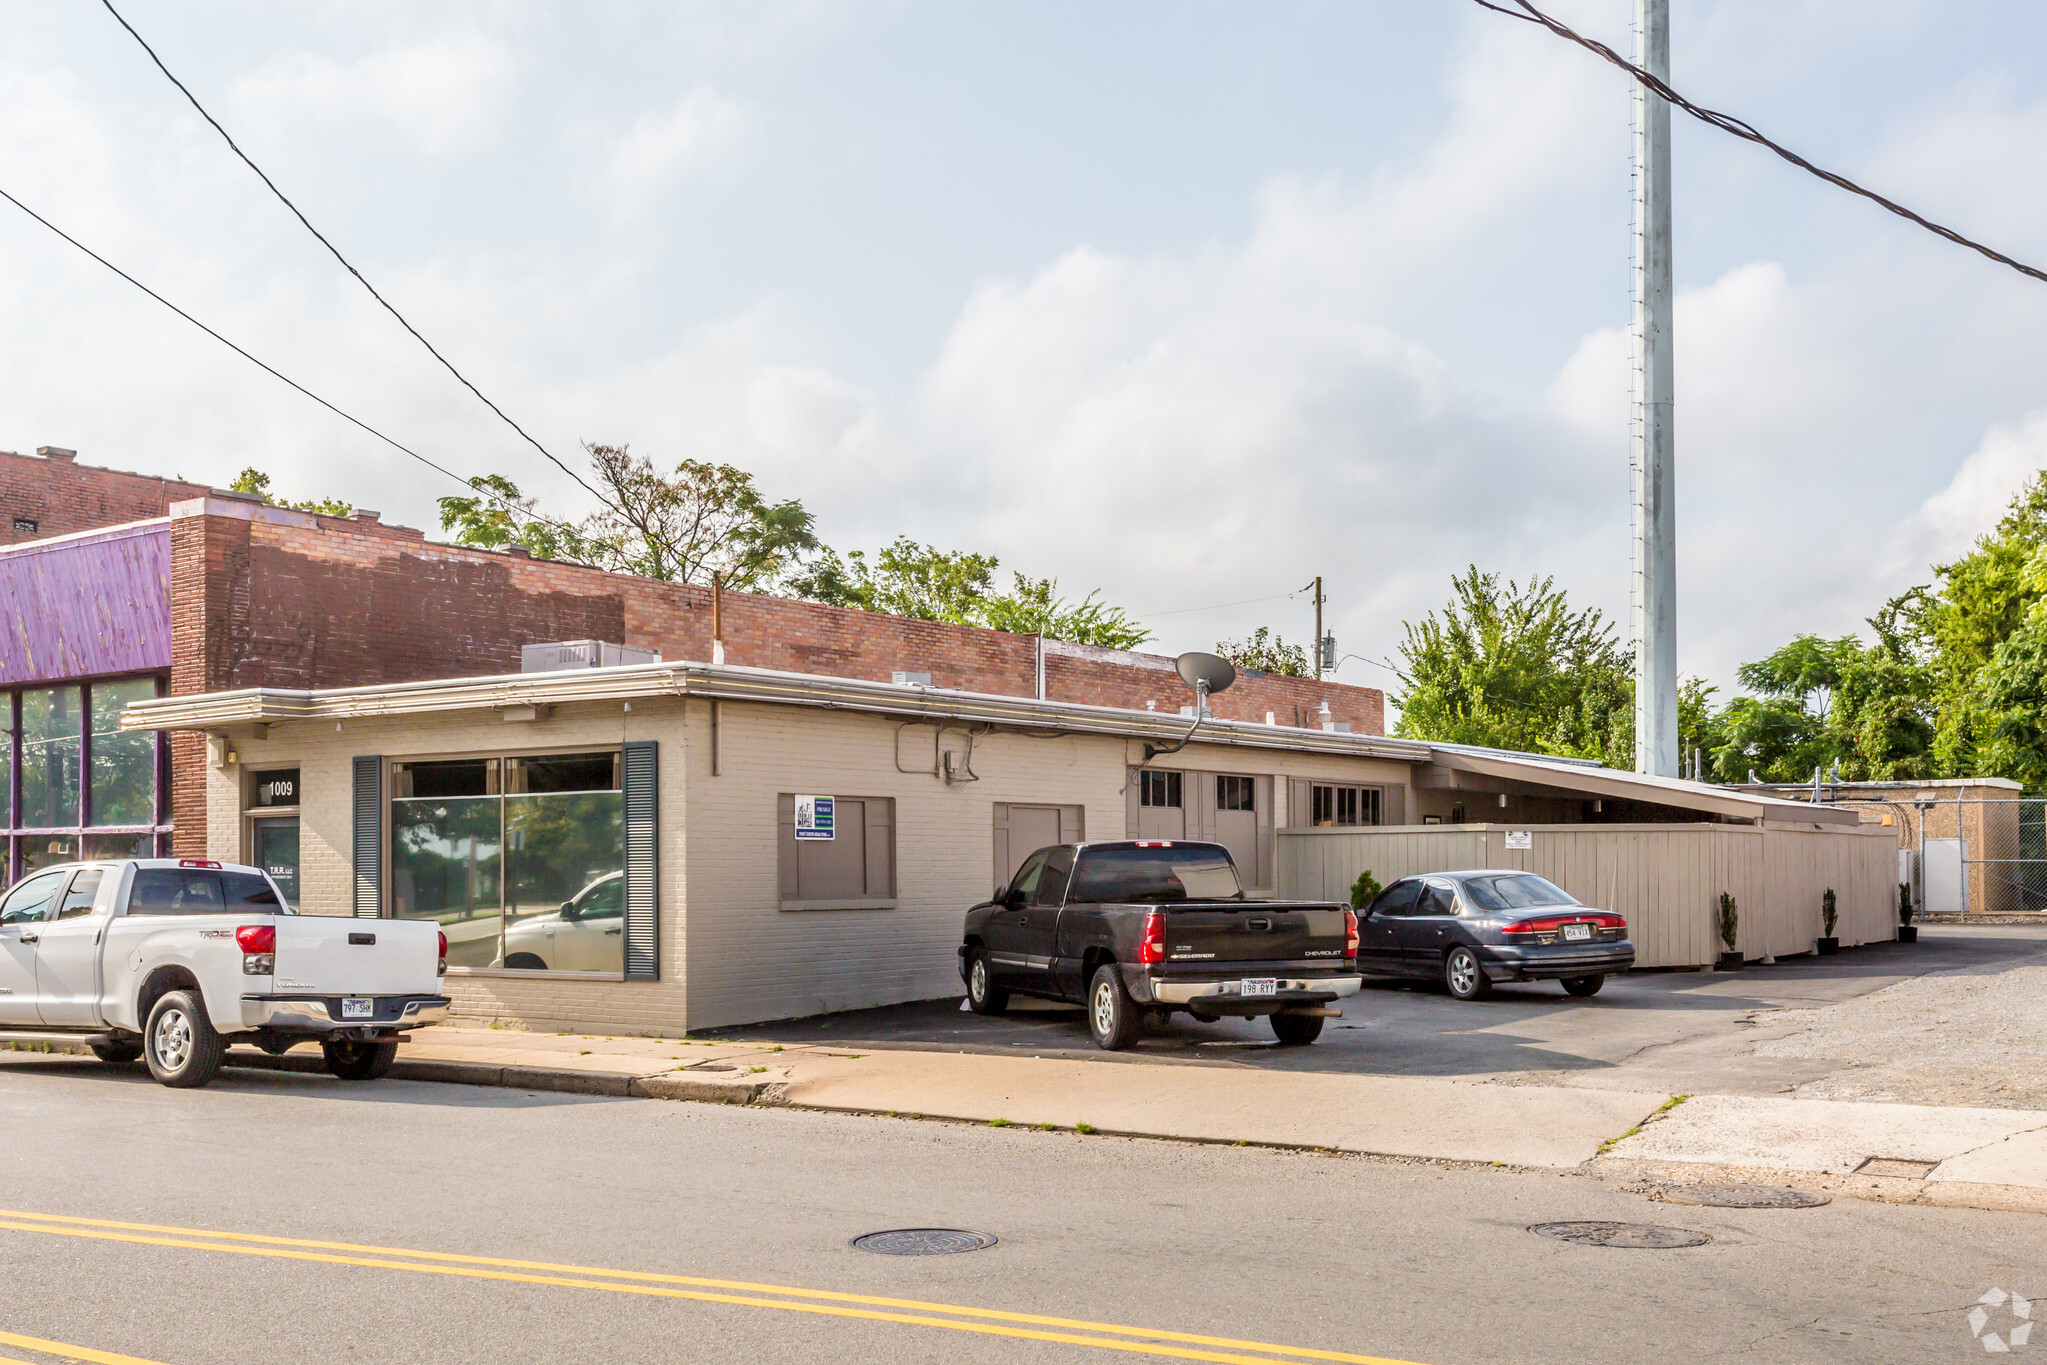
814 817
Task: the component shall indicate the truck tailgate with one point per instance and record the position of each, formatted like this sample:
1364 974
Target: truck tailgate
1254 932
329 955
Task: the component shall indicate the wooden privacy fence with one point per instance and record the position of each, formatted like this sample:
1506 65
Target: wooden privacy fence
1666 879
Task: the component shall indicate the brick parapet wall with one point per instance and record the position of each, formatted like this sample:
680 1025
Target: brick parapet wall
62 497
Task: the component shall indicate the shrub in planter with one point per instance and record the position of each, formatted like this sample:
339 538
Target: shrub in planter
1363 889
1908 932
1827 944
1730 925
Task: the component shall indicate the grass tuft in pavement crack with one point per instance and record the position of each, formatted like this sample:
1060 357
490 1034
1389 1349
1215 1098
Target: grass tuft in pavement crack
1083 1127
998 1123
1673 1102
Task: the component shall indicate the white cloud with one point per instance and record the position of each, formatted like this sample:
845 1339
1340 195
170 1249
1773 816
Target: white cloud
1973 502
665 143
448 93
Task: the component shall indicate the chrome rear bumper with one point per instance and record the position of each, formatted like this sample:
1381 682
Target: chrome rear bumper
1180 992
322 1013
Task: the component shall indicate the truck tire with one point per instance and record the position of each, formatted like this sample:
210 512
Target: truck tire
983 995
1112 1016
1296 1030
1584 986
122 1053
352 1060
183 1050
1463 976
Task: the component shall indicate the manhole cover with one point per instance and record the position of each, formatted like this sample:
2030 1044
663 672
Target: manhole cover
923 1241
1745 1196
1636 1236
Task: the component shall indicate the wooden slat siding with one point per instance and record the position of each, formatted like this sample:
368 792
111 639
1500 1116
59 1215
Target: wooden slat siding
642 865
368 834
1666 879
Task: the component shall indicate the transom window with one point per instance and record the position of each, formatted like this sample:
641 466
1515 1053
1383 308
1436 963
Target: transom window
73 784
1334 805
1159 789
518 858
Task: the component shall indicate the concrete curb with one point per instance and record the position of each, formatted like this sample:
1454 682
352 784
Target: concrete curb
662 1086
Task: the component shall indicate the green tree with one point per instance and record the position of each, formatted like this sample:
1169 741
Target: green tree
1266 652
1515 667
255 481
908 578
680 527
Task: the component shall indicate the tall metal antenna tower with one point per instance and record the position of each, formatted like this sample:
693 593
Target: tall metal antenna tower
1653 457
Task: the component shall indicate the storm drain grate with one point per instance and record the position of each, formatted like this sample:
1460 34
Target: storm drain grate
1898 1166
923 1242
1633 1236
710 1066
1745 1196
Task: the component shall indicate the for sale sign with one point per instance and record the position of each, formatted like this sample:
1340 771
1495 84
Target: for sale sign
814 817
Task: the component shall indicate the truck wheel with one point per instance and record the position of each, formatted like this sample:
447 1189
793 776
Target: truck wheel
1112 1015
1583 986
983 995
1297 1030
121 1053
179 1040
358 1061
1463 975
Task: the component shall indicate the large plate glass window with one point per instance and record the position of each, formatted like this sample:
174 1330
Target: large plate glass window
72 782
519 859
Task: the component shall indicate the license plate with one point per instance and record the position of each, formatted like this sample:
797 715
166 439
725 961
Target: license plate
1261 985
358 1009
1577 933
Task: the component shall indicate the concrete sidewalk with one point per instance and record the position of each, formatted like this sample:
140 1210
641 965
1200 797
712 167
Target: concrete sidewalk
1400 1116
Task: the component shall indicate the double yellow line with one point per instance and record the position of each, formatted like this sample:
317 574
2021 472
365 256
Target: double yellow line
911 1312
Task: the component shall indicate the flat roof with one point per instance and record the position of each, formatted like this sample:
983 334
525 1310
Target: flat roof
220 711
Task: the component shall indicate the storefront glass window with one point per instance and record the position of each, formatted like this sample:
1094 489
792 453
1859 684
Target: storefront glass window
123 762
521 860
120 845
446 856
50 734
47 850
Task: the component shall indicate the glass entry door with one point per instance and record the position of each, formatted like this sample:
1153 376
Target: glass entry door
277 852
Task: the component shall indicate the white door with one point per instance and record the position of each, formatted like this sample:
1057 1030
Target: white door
22 916
68 953
1946 871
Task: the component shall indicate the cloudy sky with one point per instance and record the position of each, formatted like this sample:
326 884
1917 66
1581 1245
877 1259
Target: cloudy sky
1186 301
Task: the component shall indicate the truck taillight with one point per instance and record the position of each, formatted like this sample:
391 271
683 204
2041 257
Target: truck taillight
441 969
1152 947
1350 934
259 948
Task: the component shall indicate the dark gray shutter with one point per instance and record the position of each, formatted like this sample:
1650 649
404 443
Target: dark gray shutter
642 831
369 836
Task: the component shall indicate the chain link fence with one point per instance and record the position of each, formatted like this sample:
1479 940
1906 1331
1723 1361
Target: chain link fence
1968 856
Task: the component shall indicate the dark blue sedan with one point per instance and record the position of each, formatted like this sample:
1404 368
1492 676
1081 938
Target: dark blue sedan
1471 929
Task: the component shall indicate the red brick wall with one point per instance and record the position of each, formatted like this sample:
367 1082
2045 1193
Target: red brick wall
63 497
267 598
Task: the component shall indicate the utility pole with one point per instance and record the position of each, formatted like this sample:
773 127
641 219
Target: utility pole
1318 627
1653 455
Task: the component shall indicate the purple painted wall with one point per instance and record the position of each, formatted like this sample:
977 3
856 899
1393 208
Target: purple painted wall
85 605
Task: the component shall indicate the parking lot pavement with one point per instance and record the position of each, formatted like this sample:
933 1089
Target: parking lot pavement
1691 1032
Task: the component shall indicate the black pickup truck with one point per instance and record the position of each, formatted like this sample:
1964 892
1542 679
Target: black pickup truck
1142 927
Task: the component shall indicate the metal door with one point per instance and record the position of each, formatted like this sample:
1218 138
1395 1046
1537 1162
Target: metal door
1946 871
22 917
68 951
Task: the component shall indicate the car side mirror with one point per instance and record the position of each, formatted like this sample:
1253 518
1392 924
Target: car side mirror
568 910
1013 901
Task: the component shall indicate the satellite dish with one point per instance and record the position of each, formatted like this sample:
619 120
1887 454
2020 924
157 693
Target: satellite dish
1206 672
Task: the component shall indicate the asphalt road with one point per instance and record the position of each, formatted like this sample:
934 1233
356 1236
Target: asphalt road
1674 1031
337 1193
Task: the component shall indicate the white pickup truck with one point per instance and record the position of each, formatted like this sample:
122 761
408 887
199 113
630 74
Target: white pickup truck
171 959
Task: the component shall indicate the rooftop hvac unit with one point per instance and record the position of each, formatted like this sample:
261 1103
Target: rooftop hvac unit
553 657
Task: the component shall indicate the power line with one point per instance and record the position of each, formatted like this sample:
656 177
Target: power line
506 503
343 259
1249 601
1727 123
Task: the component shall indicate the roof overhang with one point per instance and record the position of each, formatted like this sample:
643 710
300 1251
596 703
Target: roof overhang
1621 786
264 706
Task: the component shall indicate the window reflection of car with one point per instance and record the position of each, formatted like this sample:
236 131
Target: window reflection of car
586 934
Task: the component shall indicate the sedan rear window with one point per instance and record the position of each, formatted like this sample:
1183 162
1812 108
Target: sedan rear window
1520 891
1178 873
193 891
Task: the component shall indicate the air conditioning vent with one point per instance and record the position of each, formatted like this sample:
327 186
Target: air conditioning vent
561 654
